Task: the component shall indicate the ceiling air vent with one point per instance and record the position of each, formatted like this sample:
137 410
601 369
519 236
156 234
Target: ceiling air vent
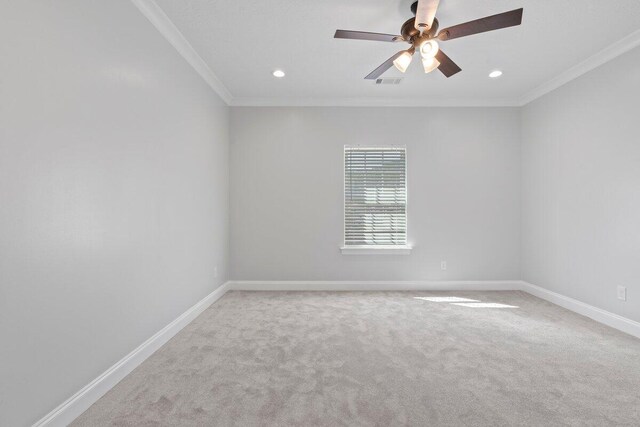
395 81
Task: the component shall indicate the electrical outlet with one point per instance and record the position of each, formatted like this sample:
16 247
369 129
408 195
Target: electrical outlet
215 271
622 293
443 265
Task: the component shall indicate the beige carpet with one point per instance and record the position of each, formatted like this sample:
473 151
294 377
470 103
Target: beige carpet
382 359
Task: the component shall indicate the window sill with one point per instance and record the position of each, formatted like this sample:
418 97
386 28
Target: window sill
376 250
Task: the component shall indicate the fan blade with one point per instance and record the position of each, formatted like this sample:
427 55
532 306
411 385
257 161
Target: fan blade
384 67
490 23
425 13
447 66
364 35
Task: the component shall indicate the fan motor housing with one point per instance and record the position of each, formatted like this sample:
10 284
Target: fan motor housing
410 33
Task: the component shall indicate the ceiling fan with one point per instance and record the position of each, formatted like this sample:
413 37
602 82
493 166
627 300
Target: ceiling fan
420 32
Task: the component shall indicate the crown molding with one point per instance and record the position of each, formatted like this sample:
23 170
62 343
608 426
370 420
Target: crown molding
373 102
167 28
609 53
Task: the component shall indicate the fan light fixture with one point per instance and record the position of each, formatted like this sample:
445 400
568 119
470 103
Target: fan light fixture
403 61
423 33
429 49
430 64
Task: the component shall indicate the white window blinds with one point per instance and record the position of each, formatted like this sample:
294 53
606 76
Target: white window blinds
375 196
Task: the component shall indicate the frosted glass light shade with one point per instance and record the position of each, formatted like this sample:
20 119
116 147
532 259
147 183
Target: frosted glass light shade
402 62
430 64
429 49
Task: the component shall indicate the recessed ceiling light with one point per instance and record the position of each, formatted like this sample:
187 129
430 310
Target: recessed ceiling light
495 74
278 73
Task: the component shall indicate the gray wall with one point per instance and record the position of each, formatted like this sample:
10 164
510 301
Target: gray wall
287 192
581 187
113 194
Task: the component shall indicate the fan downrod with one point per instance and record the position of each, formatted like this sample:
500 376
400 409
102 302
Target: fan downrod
414 8
408 30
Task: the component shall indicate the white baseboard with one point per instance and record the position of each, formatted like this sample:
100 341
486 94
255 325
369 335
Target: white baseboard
356 285
83 399
615 321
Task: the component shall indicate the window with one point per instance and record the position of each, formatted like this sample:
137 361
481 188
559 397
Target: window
375 200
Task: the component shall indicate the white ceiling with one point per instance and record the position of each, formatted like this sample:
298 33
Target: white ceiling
243 41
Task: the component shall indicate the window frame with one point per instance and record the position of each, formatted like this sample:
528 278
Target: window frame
374 249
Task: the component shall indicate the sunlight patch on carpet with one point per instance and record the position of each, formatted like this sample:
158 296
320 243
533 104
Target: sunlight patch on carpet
447 299
484 305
